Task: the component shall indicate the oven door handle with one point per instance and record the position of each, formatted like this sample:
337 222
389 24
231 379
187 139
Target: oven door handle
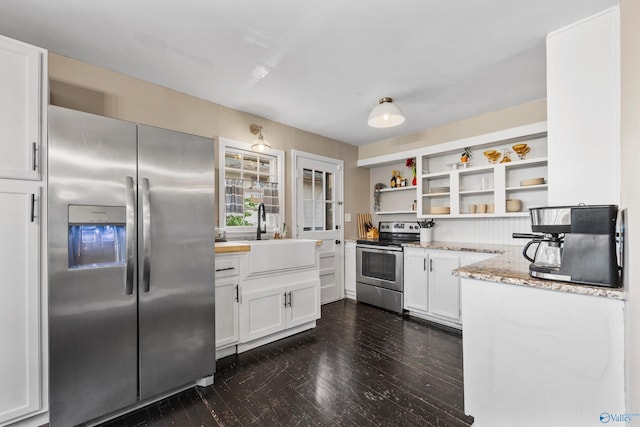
381 248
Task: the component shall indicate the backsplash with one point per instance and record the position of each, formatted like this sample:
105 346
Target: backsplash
472 230
482 230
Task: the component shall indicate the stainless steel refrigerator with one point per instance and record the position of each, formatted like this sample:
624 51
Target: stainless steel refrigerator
131 264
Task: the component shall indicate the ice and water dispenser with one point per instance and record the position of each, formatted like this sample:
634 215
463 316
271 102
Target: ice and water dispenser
97 236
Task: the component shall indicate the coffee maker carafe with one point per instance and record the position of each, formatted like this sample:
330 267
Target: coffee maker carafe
577 244
548 252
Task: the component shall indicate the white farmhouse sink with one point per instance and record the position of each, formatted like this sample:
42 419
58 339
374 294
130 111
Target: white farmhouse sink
273 255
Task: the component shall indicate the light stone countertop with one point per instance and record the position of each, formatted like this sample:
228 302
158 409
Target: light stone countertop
510 267
461 246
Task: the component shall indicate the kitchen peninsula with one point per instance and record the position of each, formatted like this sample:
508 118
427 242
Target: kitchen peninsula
536 347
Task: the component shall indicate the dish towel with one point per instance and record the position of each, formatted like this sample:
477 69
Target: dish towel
234 195
271 198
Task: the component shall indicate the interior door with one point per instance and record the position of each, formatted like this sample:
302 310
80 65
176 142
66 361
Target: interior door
176 259
319 217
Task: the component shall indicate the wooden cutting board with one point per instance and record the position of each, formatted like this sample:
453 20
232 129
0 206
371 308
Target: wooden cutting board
362 219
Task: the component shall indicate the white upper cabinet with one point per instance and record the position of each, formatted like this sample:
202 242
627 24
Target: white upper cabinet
22 94
583 111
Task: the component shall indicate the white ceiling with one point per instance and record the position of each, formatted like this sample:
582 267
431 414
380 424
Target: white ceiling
318 65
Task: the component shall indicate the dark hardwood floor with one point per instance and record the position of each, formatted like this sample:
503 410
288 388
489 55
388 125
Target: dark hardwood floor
361 366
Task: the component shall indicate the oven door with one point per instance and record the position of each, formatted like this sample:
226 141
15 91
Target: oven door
380 266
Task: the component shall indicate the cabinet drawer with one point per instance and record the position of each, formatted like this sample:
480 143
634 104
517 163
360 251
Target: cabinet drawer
227 267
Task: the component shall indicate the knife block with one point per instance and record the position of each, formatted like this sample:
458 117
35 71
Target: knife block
373 234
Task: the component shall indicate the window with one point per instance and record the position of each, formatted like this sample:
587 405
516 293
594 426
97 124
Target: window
248 179
318 200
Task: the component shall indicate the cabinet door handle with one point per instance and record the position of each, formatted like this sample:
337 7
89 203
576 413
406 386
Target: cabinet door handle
430 264
32 215
290 299
237 293
34 153
285 299
225 269
424 264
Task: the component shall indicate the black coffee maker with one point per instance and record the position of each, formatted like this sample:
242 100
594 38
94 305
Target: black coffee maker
577 244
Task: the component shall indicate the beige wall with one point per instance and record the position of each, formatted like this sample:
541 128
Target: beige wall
630 189
531 112
78 85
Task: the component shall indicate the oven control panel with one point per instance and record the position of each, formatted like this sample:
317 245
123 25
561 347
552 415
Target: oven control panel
399 227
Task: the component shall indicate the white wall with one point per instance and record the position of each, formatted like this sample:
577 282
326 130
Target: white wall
630 188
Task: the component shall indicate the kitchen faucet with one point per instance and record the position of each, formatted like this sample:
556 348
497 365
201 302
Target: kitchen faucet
264 218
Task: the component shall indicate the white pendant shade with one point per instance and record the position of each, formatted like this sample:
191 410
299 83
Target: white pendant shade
385 115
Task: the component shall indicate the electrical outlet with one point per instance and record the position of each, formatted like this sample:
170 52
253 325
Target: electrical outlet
347 217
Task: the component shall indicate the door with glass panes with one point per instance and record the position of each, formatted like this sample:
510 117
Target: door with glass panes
319 216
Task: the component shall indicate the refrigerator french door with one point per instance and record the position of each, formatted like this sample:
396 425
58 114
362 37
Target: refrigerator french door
131 264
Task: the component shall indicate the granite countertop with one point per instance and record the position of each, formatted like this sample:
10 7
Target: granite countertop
510 267
461 246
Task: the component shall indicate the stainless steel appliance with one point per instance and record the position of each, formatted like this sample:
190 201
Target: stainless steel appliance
131 264
380 265
577 244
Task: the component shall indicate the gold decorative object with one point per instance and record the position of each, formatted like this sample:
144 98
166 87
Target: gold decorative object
521 150
492 155
506 156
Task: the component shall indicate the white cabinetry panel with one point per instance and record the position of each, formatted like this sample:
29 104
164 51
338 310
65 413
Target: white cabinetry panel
350 270
444 287
20 109
535 357
303 304
20 302
262 312
416 280
227 332
583 110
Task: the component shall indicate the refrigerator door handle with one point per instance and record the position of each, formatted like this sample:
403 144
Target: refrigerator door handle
146 234
131 237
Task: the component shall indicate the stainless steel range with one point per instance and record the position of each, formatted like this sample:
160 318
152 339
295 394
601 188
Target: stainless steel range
380 265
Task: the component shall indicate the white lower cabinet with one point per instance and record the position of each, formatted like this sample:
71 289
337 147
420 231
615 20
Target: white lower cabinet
304 303
227 303
20 305
431 291
266 311
254 308
416 280
227 310
444 287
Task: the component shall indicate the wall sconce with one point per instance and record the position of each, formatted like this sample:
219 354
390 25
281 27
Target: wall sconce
260 145
385 114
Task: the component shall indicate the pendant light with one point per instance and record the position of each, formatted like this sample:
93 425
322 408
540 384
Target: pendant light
260 145
385 114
